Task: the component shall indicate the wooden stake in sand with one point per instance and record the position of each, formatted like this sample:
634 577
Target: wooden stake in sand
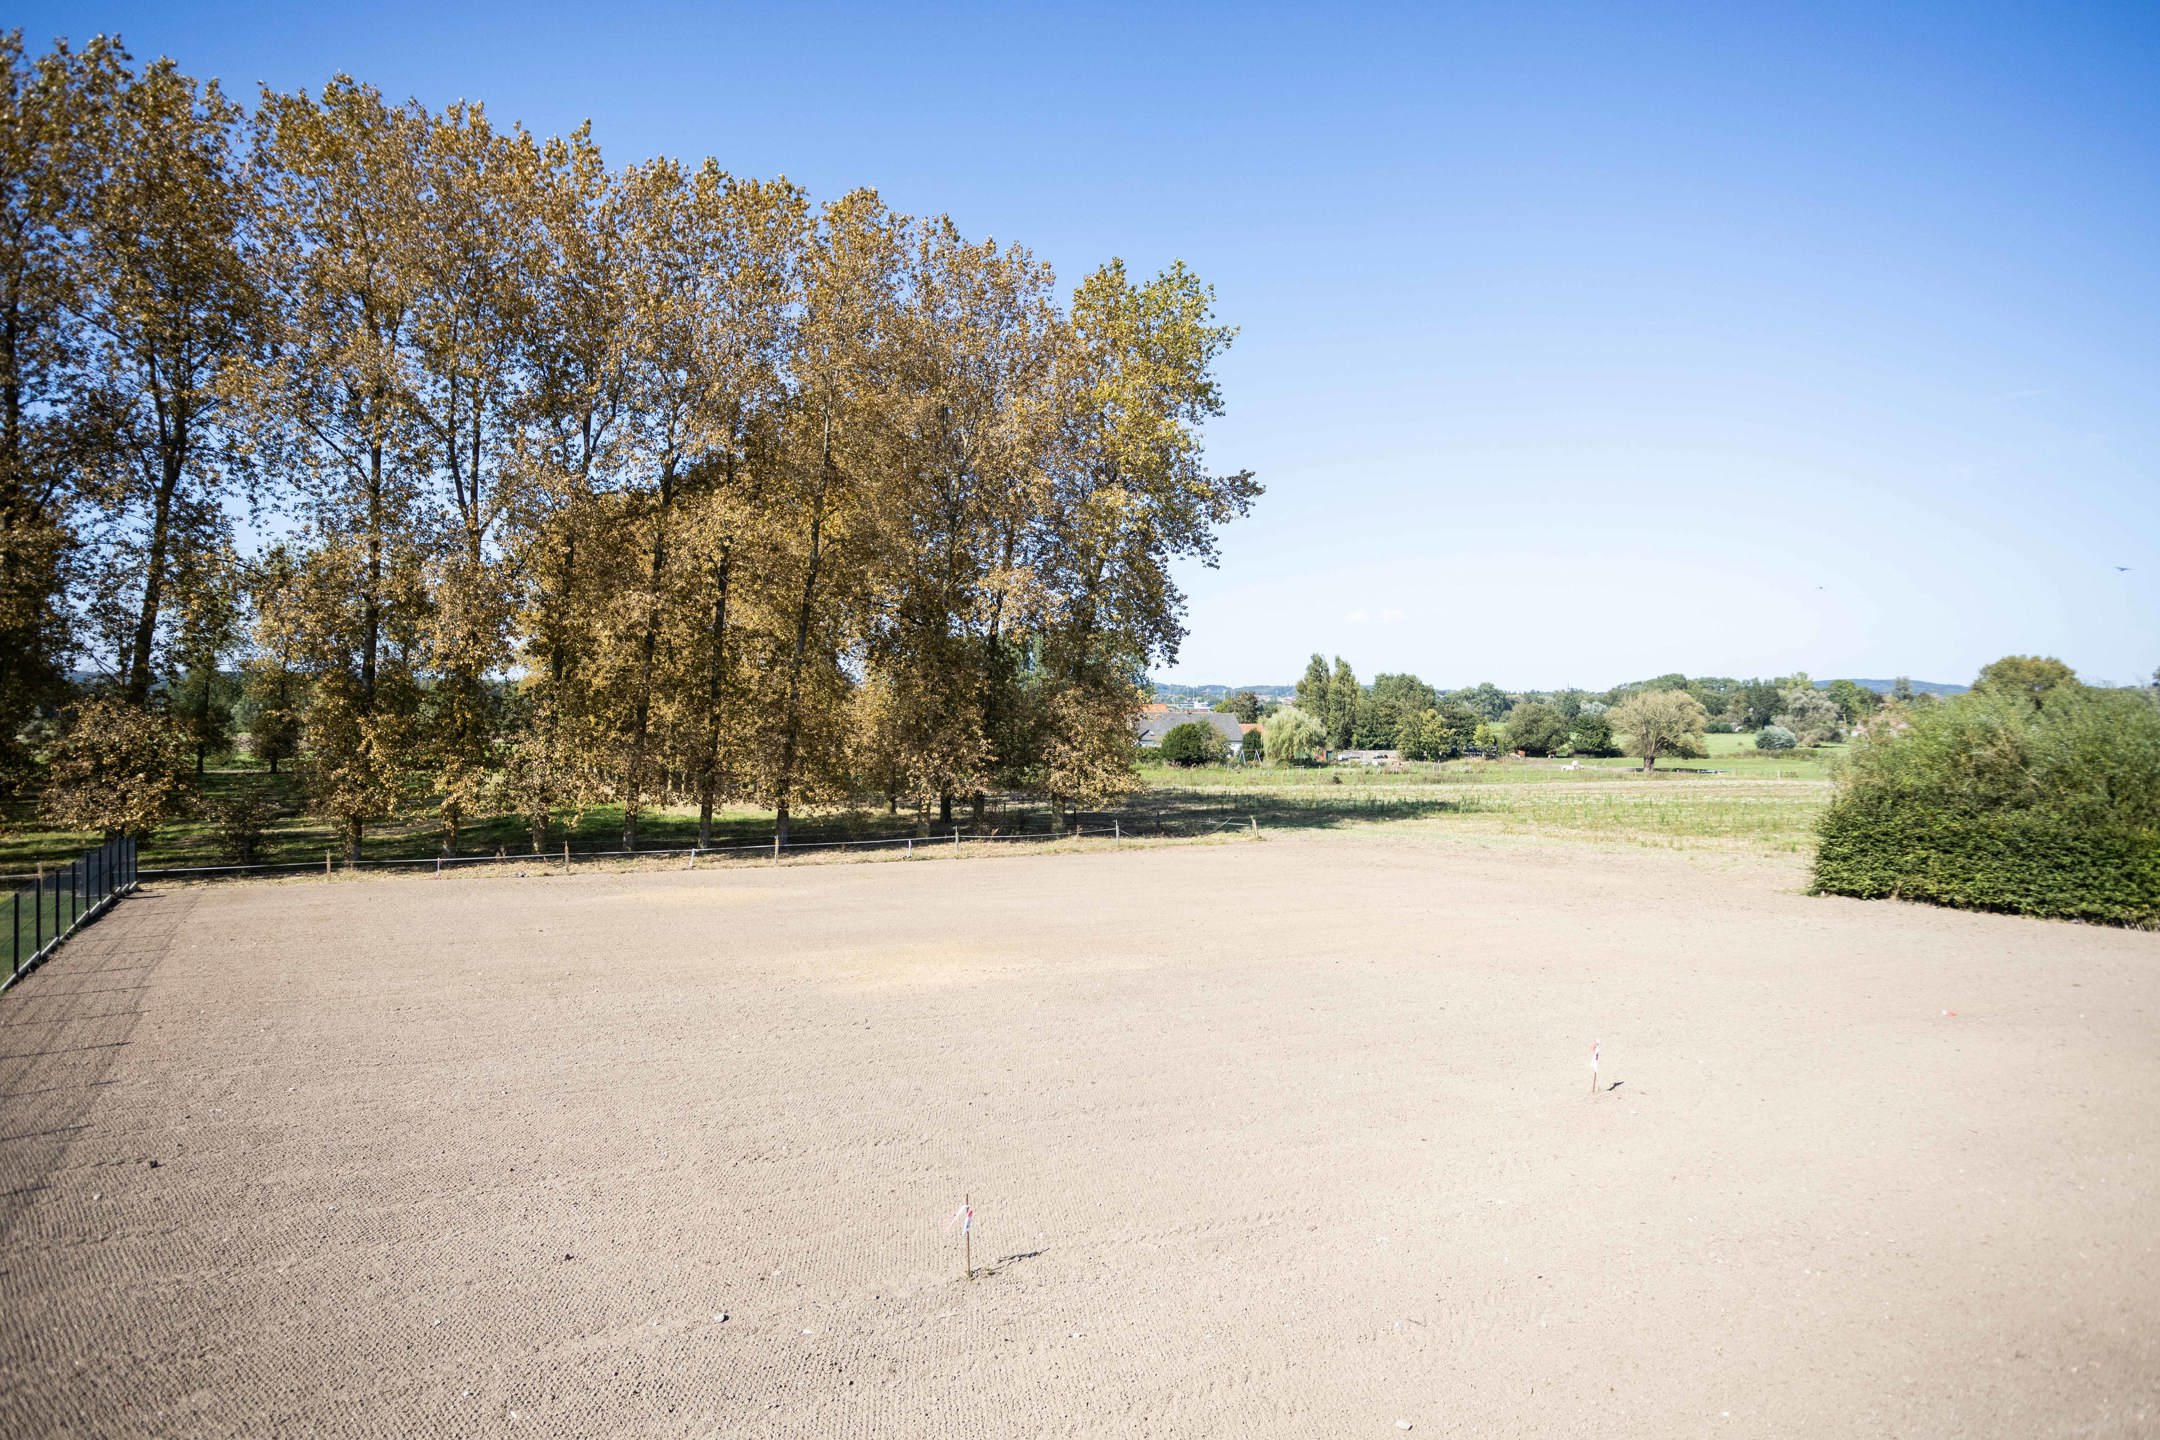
964 1217
1593 1066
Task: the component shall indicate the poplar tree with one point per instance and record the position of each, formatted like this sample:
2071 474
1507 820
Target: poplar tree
329 409
576 411
827 489
1133 495
42 162
653 486
164 302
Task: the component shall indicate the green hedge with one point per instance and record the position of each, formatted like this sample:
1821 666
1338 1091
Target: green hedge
2021 861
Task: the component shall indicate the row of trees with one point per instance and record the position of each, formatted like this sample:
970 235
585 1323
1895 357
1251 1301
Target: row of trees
586 484
1402 712
1649 721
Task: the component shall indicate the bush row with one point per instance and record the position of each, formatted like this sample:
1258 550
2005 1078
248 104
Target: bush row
2025 862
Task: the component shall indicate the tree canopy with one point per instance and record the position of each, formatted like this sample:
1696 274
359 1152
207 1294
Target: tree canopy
639 484
1660 722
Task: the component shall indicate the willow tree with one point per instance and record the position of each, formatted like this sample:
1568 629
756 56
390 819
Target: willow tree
1651 723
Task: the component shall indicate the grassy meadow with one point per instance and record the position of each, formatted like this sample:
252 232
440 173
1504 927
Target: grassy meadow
1738 798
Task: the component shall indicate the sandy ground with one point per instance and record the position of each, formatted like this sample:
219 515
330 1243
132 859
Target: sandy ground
1276 1138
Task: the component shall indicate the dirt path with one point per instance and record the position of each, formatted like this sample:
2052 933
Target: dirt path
1279 1138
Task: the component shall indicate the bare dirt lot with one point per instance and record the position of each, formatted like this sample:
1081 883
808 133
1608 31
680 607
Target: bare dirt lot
1277 1138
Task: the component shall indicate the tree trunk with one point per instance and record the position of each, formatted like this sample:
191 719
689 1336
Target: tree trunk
633 776
146 619
202 723
791 718
371 615
709 777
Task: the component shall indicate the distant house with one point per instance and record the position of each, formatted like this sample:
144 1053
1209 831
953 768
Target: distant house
1157 721
1366 757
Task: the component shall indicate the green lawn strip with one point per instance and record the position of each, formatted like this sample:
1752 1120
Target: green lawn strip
1764 801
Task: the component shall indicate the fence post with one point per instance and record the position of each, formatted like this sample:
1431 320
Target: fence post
566 857
1255 823
1117 832
326 864
956 837
776 845
15 936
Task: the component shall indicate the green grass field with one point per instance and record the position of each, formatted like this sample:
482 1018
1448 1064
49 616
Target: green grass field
1762 801
1760 804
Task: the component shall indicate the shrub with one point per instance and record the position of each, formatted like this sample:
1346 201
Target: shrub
2004 800
1719 727
1193 743
2025 862
237 824
118 769
1775 737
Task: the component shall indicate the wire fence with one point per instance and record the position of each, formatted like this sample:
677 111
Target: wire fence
55 904
1113 828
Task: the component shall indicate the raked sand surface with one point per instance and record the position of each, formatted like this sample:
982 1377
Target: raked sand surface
1275 1138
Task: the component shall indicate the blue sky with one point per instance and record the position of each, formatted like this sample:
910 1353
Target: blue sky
1579 343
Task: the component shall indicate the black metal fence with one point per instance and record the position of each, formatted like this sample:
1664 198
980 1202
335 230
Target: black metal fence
942 841
55 903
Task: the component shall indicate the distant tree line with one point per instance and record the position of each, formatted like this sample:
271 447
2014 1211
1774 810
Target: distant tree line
1334 710
581 484
1403 712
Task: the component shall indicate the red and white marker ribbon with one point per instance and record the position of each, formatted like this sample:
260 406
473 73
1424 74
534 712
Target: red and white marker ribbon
1593 1056
964 1217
